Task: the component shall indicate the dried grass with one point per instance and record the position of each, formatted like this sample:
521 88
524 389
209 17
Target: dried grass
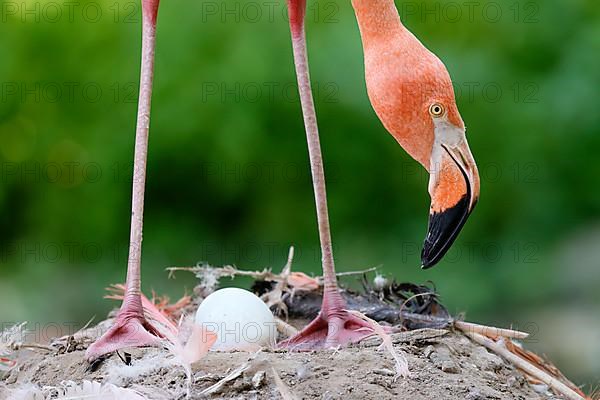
400 362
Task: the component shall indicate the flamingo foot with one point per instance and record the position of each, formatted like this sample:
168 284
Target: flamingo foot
130 329
328 330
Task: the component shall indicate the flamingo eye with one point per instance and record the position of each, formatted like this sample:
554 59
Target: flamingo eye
437 110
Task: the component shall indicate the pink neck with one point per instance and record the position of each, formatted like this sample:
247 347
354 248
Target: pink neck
377 19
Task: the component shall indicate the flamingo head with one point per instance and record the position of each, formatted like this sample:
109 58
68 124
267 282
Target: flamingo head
454 178
417 101
412 93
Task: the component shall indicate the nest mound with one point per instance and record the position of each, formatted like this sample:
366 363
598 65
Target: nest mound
444 363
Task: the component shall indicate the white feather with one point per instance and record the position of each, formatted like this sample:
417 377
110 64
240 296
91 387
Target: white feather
69 390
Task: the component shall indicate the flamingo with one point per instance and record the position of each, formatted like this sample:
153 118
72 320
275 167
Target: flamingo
411 92
130 328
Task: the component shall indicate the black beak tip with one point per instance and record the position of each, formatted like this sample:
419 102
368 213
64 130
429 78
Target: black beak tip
427 261
444 228
426 264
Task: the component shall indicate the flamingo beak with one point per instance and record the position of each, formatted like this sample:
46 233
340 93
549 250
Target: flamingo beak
454 189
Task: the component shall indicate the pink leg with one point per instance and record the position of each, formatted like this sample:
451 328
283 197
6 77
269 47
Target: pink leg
333 326
131 329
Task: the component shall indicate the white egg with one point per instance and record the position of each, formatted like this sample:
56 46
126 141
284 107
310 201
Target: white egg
241 320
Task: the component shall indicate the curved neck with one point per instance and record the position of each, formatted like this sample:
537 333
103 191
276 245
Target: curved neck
377 19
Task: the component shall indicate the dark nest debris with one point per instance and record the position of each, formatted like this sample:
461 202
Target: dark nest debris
402 305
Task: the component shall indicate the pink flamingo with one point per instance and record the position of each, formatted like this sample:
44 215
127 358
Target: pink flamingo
411 93
130 328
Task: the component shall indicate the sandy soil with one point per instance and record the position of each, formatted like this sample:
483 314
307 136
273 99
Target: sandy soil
443 365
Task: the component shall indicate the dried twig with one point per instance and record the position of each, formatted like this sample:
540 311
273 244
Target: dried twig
231 377
229 271
353 273
419 335
33 346
286 329
284 390
498 348
490 331
275 297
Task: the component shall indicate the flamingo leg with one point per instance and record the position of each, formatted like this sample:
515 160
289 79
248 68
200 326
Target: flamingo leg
334 326
130 328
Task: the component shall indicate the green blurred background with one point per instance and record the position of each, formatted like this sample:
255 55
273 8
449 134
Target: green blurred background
228 166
